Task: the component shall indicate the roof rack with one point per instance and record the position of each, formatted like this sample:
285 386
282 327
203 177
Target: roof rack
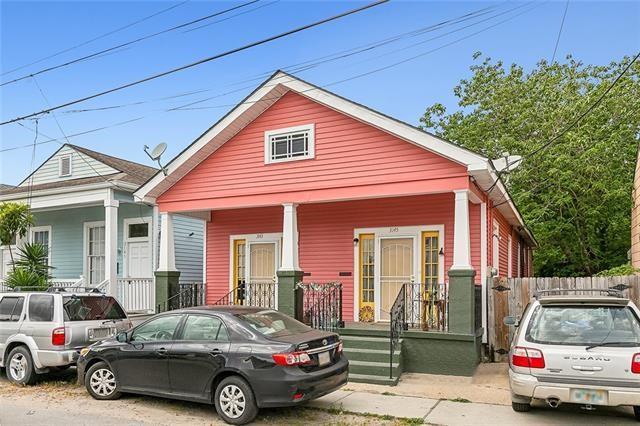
613 292
54 289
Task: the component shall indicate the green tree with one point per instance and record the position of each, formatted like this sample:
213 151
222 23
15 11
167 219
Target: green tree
575 195
32 268
15 220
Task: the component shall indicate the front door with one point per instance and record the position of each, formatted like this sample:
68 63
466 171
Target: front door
396 268
139 260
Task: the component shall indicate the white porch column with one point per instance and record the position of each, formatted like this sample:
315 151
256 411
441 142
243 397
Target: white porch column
167 261
111 243
461 237
290 238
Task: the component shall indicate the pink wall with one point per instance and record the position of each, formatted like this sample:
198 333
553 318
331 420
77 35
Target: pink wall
326 235
352 160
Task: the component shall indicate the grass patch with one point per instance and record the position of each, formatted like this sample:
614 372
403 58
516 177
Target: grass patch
412 421
388 394
463 400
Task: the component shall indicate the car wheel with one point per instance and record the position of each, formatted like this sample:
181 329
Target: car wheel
636 411
20 368
235 402
101 382
520 407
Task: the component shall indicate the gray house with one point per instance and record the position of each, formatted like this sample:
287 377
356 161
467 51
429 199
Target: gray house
96 233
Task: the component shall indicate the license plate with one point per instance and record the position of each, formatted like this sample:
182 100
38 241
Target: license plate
100 333
324 358
589 396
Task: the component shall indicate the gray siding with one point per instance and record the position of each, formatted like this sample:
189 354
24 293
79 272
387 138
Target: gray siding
188 248
81 166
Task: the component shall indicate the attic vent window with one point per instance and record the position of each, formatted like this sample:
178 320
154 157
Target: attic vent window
64 166
290 144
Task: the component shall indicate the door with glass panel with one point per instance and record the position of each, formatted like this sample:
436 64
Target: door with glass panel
262 262
397 265
95 254
367 276
254 271
239 270
433 309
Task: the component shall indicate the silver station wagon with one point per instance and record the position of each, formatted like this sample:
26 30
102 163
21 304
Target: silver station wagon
578 349
42 331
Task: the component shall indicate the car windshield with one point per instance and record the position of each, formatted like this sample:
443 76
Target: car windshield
584 326
92 308
273 323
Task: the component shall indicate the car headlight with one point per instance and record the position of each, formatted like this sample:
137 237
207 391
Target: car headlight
84 351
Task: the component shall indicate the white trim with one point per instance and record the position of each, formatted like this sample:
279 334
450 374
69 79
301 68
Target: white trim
483 267
65 157
204 257
461 231
289 257
126 240
311 152
42 228
167 261
273 237
85 243
414 232
519 274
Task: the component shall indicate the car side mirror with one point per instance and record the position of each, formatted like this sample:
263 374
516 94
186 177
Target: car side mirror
122 337
511 321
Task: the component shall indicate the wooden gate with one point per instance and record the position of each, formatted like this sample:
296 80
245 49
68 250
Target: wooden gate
510 297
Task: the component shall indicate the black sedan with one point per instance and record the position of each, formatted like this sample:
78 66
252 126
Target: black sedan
238 358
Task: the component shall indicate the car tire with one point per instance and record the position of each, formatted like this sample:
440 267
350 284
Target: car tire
101 382
235 401
636 411
520 407
20 368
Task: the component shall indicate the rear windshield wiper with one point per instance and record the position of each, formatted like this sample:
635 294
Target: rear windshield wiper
624 344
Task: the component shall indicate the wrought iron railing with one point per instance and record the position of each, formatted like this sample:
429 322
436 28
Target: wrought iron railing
427 306
322 305
189 295
478 307
262 294
397 323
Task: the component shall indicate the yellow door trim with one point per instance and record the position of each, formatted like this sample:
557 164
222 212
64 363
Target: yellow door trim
370 245
237 244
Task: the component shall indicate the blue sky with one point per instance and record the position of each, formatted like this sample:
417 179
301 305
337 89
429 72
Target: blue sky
595 32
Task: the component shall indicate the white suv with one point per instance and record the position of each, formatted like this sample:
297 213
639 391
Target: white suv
576 349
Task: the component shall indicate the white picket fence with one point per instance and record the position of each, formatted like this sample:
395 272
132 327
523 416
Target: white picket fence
136 294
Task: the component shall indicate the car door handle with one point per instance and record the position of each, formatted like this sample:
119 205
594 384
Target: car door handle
161 351
215 352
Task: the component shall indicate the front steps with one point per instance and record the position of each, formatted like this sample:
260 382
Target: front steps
368 354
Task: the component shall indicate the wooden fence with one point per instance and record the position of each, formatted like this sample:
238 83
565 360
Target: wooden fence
510 296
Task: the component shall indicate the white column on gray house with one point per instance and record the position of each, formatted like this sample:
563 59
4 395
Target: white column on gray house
290 238
111 243
167 260
461 238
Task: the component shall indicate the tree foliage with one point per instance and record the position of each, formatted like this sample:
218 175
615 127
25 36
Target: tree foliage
576 196
15 220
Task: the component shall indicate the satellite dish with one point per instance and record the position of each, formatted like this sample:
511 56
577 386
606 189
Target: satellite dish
156 153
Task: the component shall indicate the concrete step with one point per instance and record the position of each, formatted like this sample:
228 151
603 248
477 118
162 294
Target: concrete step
374 355
364 342
374 368
376 380
372 332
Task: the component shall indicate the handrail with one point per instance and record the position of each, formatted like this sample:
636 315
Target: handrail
252 293
397 323
190 296
322 305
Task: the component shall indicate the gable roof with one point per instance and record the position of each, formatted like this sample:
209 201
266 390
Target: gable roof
127 171
5 186
280 83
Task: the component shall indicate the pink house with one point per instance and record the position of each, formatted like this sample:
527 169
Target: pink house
299 184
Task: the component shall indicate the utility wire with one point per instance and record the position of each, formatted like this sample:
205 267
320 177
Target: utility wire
314 88
128 43
564 16
204 60
84 43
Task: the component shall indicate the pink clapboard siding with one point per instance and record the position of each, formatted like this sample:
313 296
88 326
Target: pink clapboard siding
352 160
326 235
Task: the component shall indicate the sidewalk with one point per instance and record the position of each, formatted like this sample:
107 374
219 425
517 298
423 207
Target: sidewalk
446 400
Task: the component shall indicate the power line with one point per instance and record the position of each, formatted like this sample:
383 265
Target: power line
128 43
564 16
315 88
204 60
96 38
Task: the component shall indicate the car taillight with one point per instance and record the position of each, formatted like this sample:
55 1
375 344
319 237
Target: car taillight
635 364
292 358
527 357
57 336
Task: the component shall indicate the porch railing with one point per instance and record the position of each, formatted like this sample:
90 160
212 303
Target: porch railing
322 305
136 294
419 306
255 293
53 282
189 295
